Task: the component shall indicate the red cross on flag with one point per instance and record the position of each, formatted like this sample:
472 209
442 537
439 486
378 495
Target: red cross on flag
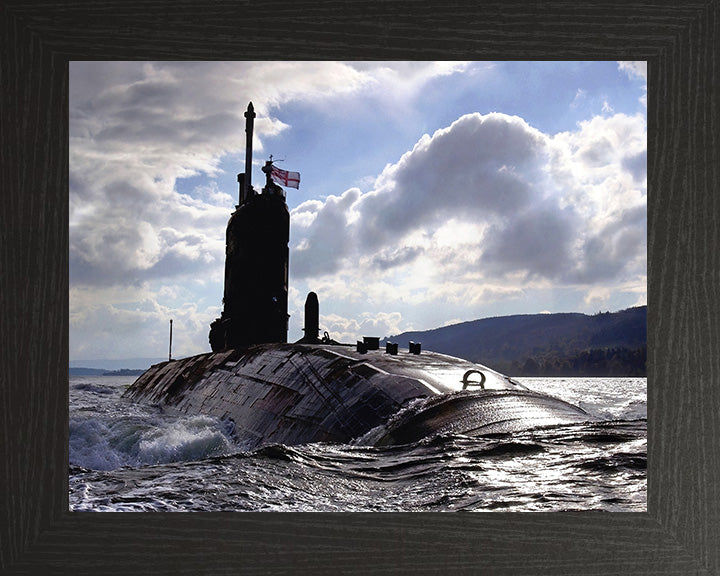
289 179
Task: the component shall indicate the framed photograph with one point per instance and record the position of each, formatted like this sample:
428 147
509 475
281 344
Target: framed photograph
43 45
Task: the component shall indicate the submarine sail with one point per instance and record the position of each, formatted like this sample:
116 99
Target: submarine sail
256 263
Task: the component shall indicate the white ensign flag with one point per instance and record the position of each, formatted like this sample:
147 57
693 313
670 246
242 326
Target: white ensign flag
289 179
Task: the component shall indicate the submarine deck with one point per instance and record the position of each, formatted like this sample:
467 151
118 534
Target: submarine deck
299 393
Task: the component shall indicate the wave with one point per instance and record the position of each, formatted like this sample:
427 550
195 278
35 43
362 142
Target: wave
99 443
94 388
584 466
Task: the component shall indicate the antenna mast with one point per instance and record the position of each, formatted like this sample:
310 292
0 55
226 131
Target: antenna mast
249 121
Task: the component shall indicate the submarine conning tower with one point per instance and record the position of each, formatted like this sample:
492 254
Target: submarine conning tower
255 298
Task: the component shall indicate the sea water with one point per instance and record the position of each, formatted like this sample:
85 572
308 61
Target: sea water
126 456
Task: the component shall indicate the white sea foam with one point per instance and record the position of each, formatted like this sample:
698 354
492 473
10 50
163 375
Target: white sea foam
193 438
101 444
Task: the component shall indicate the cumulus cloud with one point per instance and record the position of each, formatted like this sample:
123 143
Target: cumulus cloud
392 257
635 163
104 322
537 242
478 163
325 241
616 251
482 169
347 330
135 129
491 197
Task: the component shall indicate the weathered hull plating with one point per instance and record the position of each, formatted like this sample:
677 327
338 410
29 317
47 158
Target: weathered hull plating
295 394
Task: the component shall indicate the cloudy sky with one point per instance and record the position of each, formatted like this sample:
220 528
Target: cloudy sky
431 193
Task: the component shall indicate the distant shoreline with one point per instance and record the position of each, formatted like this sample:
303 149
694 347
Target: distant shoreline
80 371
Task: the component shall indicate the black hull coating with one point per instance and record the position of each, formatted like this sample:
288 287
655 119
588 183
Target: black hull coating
479 413
296 394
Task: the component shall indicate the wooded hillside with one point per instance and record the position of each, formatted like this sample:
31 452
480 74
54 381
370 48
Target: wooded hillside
568 344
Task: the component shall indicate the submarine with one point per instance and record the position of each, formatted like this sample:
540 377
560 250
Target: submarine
270 391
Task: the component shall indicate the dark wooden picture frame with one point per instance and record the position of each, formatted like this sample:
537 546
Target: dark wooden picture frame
680 533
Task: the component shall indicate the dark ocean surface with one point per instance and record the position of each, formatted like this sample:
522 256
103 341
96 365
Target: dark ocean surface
131 457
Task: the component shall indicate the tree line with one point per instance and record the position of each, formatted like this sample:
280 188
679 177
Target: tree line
616 361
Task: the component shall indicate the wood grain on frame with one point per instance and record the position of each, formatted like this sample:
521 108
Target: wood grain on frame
680 533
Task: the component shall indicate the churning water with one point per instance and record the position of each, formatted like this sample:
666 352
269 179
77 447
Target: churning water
131 457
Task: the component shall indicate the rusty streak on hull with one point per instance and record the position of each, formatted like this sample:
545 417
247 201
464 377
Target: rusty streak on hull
296 394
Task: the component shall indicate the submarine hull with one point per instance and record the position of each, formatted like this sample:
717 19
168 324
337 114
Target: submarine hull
479 413
296 394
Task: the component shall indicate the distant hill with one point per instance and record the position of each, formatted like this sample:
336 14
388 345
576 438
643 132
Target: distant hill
572 344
